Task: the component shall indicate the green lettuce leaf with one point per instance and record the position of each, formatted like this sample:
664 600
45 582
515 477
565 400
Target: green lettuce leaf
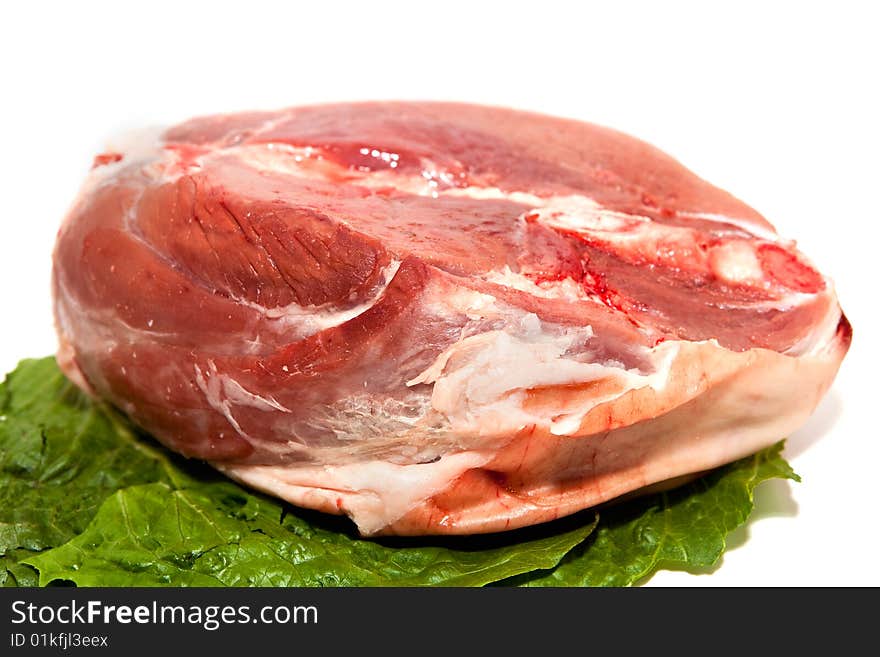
87 499
61 455
15 573
684 528
217 534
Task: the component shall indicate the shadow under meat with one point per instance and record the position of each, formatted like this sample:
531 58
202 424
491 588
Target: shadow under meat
820 424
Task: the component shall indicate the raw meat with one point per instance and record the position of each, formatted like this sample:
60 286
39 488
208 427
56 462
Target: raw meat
436 318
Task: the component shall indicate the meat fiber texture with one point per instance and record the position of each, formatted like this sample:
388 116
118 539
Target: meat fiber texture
436 318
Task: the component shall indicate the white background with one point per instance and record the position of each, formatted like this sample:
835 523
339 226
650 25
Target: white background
775 102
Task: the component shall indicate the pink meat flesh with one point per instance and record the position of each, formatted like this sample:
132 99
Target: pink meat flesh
436 318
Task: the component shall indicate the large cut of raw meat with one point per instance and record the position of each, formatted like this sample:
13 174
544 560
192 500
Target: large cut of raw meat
436 318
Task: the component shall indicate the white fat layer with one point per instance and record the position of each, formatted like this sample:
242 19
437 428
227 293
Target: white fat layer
586 217
737 262
481 382
308 320
368 423
137 145
573 291
464 301
782 304
821 338
223 392
748 225
374 493
496 194
141 146
567 288
279 158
